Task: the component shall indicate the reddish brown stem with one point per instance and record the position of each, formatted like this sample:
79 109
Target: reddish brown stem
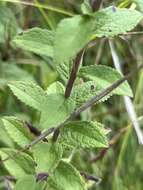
73 74
95 4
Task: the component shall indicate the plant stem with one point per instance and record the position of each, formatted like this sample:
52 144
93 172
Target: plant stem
73 74
95 99
95 4
86 105
89 177
45 16
50 8
127 101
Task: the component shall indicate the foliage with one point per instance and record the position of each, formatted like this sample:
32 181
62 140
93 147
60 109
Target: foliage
50 122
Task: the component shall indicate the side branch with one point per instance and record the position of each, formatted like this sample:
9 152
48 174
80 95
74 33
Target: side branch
98 97
86 105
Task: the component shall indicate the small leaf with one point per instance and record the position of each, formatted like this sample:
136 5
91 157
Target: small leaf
71 36
56 88
29 182
19 164
47 156
29 93
86 8
84 134
36 40
66 177
113 21
104 77
56 110
17 131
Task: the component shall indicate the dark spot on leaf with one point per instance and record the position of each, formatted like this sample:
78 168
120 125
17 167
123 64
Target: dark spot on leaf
92 87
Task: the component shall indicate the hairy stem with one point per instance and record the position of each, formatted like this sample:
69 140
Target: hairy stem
73 74
86 105
95 99
95 4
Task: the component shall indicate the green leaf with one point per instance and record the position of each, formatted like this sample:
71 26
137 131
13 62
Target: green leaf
64 70
19 164
47 156
36 40
85 91
113 21
72 34
11 72
84 134
17 131
106 22
56 88
29 93
8 24
86 8
4 137
56 110
105 76
54 107
29 182
64 177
